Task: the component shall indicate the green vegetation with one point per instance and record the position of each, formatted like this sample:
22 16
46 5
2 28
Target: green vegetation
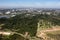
22 24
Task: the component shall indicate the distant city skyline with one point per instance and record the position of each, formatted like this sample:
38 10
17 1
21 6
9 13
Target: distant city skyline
30 3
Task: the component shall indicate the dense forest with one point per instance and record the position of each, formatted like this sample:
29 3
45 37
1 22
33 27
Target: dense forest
21 23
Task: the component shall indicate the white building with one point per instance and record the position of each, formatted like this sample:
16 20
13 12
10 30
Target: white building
8 12
1 13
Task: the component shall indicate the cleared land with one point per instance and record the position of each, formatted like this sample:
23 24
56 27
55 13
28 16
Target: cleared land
50 34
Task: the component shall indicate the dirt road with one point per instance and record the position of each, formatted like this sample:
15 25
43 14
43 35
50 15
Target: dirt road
43 34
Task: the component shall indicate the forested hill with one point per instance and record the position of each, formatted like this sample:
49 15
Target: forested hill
22 23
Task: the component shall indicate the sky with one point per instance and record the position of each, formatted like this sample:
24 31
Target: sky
30 3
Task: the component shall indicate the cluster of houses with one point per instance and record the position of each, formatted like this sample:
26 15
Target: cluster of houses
14 12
